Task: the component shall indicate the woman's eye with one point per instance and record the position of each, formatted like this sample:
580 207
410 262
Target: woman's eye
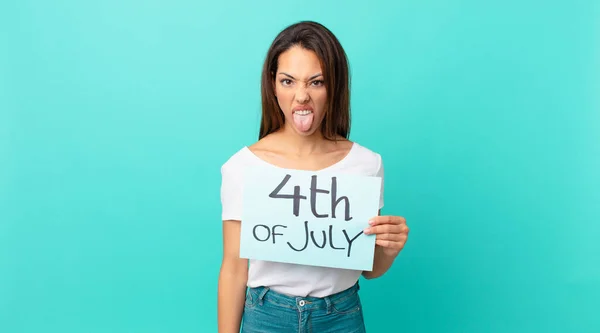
286 82
317 83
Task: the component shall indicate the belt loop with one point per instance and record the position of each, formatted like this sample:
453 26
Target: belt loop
262 295
328 302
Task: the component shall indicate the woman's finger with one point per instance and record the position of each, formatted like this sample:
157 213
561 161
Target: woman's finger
387 219
390 244
391 237
385 228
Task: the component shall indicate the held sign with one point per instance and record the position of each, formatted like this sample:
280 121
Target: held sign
309 218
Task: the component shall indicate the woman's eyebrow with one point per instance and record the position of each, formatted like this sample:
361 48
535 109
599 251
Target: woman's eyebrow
310 78
314 76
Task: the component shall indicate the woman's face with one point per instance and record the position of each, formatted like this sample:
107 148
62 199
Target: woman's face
300 90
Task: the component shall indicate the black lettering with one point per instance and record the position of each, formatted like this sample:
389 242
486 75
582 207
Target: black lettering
312 236
306 239
296 196
350 240
274 233
268 232
331 239
335 201
313 197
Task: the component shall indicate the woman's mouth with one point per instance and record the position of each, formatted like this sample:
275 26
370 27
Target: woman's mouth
303 119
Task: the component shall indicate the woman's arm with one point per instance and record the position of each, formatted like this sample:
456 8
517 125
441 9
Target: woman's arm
233 277
381 264
391 235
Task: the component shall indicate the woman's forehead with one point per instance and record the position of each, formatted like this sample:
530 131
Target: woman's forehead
299 63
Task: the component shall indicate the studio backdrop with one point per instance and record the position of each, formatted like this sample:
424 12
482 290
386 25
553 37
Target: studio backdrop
116 116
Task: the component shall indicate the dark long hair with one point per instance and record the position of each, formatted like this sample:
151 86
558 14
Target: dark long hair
317 38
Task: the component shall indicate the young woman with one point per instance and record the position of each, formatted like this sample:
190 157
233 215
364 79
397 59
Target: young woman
305 126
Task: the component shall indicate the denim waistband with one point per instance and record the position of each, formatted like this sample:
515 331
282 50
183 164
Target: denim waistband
305 303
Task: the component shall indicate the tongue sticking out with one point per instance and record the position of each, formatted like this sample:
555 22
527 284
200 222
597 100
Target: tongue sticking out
303 122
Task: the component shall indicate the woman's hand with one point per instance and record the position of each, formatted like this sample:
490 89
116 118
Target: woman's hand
391 232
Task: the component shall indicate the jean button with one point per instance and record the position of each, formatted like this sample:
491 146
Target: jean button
301 303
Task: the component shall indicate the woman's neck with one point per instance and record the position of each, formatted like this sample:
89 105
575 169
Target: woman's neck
302 145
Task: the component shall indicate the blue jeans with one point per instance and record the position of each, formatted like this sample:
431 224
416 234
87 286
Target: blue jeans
266 311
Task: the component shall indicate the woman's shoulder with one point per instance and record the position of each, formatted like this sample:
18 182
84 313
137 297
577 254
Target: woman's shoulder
364 160
267 143
247 154
236 161
365 153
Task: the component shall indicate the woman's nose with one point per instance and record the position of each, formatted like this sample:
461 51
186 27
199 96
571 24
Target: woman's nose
302 95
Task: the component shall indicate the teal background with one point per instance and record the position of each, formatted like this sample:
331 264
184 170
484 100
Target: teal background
115 117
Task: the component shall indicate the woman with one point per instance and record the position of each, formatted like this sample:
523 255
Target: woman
305 125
